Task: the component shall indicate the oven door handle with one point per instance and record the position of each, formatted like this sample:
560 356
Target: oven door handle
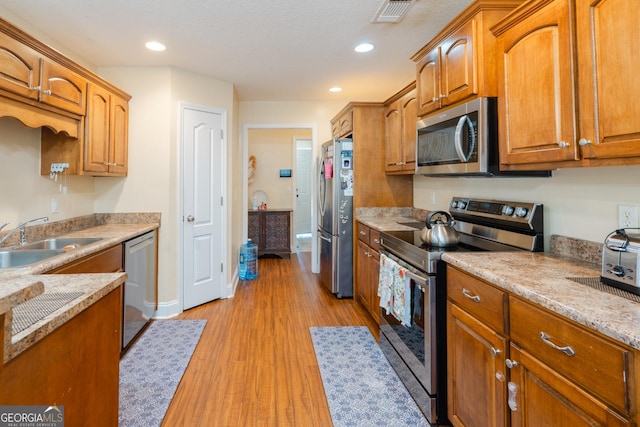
421 282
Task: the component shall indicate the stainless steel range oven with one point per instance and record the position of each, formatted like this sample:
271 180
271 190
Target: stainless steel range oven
417 350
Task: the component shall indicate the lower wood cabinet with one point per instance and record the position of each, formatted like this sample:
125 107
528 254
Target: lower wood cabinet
513 363
271 231
368 270
75 366
107 261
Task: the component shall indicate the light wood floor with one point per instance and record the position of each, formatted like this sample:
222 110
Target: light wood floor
255 364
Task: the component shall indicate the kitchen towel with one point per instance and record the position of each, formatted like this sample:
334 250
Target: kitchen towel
394 290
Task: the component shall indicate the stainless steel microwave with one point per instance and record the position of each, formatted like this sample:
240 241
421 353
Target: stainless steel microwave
462 141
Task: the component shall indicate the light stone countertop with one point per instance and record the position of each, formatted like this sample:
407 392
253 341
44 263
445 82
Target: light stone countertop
21 284
542 279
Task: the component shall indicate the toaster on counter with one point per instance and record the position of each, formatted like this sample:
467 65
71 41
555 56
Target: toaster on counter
621 260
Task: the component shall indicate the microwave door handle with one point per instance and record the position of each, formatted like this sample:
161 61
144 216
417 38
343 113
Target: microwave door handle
464 157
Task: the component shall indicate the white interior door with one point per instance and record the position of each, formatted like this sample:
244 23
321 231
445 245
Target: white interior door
304 158
203 239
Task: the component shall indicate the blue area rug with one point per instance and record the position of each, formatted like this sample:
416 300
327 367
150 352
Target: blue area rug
362 388
151 370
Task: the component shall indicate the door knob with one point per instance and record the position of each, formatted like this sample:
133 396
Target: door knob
190 218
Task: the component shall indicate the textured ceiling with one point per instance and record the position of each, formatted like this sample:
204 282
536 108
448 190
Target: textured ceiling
271 50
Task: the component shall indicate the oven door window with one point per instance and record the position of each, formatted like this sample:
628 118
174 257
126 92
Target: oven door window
414 343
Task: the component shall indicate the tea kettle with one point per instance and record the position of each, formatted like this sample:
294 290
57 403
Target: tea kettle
437 232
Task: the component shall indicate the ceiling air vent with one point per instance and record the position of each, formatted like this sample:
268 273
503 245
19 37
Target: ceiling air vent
392 10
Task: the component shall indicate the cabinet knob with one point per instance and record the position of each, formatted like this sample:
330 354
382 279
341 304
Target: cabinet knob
511 363
583 141
563 144
495 351
190 218
47 92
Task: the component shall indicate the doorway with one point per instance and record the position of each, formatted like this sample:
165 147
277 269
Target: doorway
302 212
274 151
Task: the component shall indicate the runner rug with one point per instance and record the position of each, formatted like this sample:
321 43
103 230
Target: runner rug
152 368
362 388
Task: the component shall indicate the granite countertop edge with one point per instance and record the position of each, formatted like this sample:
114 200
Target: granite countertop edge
21 284
544 279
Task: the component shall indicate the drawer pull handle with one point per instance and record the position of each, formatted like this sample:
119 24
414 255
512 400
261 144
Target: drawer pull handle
362 233
376 240
474 298
566 349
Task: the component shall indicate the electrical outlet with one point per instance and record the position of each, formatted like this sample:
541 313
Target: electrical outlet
628 216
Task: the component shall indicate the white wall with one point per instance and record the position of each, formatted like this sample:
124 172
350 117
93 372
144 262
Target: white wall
578 202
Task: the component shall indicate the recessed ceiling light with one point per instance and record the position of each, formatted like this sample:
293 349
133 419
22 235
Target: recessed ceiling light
364 47
155 46
335 89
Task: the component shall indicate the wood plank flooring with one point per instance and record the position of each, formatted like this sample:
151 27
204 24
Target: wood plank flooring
255 364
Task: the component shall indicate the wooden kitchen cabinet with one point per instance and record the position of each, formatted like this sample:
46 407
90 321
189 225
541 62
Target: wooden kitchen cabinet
29 74
106 261
459 63
567 84
511 362
400 117
342 125
271 231
106 133
477 345
368 270
75 366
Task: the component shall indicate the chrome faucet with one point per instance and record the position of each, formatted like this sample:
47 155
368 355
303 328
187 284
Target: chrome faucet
23 232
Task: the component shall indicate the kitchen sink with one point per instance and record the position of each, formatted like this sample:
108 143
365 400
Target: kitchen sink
11 258
63 243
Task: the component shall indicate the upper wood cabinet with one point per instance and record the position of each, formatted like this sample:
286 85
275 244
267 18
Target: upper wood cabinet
400 131
459 63
342 125
84 119
106 133
563 103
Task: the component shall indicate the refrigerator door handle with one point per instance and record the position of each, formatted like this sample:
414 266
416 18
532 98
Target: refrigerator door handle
326 239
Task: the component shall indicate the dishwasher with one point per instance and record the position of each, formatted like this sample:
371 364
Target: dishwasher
140 288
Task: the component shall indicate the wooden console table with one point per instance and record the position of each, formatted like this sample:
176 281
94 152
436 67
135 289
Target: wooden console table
271 230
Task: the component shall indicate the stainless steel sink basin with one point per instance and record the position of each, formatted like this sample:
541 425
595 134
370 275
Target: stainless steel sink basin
13 259
64 243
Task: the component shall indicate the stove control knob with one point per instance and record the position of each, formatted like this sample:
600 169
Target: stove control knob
507 210
521 212
462 204
454 204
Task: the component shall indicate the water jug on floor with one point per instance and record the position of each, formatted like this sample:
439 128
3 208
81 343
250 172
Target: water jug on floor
248 261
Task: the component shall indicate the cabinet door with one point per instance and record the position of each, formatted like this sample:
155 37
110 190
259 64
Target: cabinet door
458 79
539 396
608 65
277 231
409 113
96 154
118 136
374 270
19 68
428 82
477 388
63 88
254 228
536 88
393 137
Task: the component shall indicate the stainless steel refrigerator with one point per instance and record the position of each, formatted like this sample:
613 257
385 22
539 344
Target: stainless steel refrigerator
335 219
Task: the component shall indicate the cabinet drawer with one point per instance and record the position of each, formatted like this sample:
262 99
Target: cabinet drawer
478 298
364 232
596 364
374 239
